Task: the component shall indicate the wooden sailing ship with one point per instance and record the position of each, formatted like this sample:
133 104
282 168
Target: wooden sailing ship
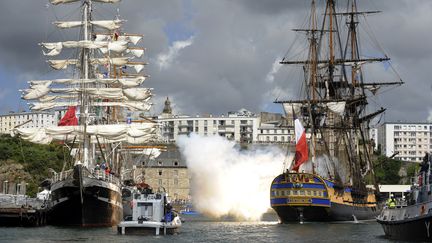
327 180
87 192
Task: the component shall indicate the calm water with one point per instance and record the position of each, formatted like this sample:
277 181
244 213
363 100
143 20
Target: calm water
198 230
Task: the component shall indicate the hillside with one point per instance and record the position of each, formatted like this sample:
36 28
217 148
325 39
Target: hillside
21 160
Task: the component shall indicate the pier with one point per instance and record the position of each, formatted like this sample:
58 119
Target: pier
20 210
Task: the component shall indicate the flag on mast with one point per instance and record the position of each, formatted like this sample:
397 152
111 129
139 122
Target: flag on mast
301 153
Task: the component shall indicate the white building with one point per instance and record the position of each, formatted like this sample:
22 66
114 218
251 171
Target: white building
235 126
27 120
273 128
242 126
406 141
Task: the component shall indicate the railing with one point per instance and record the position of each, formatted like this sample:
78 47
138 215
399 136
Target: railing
102 175
98 174
62 175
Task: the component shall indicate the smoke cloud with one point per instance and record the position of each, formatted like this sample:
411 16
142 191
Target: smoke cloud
227 181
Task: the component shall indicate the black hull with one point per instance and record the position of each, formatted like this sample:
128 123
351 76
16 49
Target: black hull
337 212
419 229
88 202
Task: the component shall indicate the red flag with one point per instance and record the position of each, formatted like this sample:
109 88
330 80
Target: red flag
301 154
69 119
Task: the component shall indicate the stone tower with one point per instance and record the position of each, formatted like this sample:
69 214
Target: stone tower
167 108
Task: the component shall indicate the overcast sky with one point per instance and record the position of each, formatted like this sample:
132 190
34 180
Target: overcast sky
215 56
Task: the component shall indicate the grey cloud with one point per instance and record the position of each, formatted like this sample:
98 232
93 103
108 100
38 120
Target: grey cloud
235 44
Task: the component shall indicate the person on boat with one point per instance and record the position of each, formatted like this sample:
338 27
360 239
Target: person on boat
391 202
97 167
107 171
169 216
144 187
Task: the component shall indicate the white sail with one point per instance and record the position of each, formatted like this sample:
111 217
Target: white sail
37 91
107 1
134 39
136 52
126 82
132 133
137 93
56 48
131 105
68 24
62 64
114 61
337 107
106 24
137 67
290 107
56 2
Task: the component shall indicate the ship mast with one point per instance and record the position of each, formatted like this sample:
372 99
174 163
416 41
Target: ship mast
335 100
84 105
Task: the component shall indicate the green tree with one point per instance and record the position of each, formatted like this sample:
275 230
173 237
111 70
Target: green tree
36 159
387 170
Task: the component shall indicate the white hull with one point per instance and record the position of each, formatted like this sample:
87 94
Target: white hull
149 227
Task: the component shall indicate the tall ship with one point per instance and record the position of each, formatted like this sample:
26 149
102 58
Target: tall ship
327 178
100 97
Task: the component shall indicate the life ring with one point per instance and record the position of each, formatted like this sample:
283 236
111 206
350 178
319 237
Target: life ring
422 210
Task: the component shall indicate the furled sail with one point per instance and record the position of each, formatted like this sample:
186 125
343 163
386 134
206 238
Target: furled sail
62 64
132 133
124 82
134 39
136 94
56 48
37 91
131 105
56 2
106 24
120 61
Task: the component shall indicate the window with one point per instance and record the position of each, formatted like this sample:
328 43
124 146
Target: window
160 172
175 172
176 163
160 182
176 181
160 163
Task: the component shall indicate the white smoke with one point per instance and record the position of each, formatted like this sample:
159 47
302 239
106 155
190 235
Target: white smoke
166 59
227 180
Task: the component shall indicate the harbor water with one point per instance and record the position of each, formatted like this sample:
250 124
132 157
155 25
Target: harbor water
202 230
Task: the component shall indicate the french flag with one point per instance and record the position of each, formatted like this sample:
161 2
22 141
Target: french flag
301 153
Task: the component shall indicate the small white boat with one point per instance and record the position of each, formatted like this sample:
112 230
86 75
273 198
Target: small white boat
151 214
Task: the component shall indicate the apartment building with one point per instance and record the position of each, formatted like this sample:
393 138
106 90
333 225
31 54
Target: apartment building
27 120
406 141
